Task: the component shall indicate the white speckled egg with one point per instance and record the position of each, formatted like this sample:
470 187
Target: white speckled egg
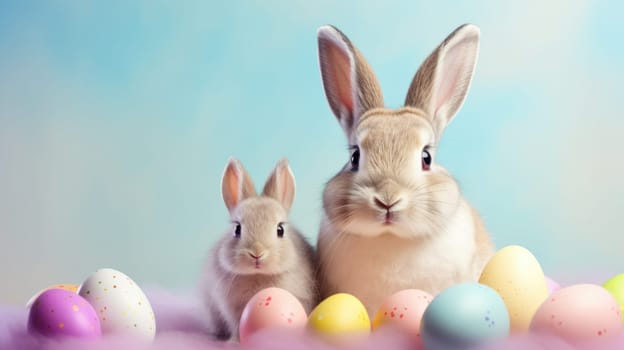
120 304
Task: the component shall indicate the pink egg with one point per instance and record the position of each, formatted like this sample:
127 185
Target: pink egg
579 312
63 313
403 310
271 308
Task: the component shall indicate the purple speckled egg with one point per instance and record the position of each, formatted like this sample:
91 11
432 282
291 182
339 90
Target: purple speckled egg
62 313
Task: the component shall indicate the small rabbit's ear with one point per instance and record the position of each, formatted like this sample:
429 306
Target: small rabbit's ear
236 184
350 85
442 82
281 184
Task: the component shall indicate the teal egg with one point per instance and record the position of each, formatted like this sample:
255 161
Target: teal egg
464 315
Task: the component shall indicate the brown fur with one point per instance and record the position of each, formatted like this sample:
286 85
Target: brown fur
434 238
232 275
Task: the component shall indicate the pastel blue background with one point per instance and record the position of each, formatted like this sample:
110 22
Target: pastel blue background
117 118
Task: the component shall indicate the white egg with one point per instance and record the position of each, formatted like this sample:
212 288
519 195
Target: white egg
120 304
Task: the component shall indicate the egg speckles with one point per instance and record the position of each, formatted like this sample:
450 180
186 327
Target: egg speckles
579 312
403 310
462 316
121 305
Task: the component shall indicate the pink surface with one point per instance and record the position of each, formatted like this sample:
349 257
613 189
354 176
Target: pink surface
179 327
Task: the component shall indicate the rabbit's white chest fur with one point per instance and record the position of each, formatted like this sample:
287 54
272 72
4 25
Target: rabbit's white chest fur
374 268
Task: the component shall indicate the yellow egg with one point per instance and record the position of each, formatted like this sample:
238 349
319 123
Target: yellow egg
615 286
65 286
68 287
518 278
340 315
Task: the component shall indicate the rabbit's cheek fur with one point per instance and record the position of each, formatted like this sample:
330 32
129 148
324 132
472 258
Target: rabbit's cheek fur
432 204
426 204
337 201
227 254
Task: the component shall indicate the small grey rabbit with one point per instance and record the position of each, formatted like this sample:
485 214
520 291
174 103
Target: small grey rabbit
260 250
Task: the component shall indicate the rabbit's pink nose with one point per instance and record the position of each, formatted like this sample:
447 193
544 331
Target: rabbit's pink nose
383 205
256 256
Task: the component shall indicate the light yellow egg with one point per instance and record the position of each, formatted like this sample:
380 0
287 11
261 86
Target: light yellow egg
65 286
615 286
518 278
340 315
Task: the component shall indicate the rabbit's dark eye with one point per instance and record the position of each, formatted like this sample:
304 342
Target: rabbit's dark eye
426 159
237 230
280 230
355 159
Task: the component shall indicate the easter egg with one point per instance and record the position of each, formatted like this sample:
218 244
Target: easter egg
271 308
462 316
403 310
615 286
62 313
341 315
64 286
120 304
514 273
579 312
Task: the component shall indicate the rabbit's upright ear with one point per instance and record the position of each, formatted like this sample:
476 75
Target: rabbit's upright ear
350 85
236 184
442 82
281 184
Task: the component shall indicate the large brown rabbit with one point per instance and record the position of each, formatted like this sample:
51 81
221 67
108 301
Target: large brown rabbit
393 218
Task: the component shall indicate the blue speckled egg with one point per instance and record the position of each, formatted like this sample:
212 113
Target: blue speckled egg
462 316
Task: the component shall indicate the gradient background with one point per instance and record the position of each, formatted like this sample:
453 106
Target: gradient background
117 118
